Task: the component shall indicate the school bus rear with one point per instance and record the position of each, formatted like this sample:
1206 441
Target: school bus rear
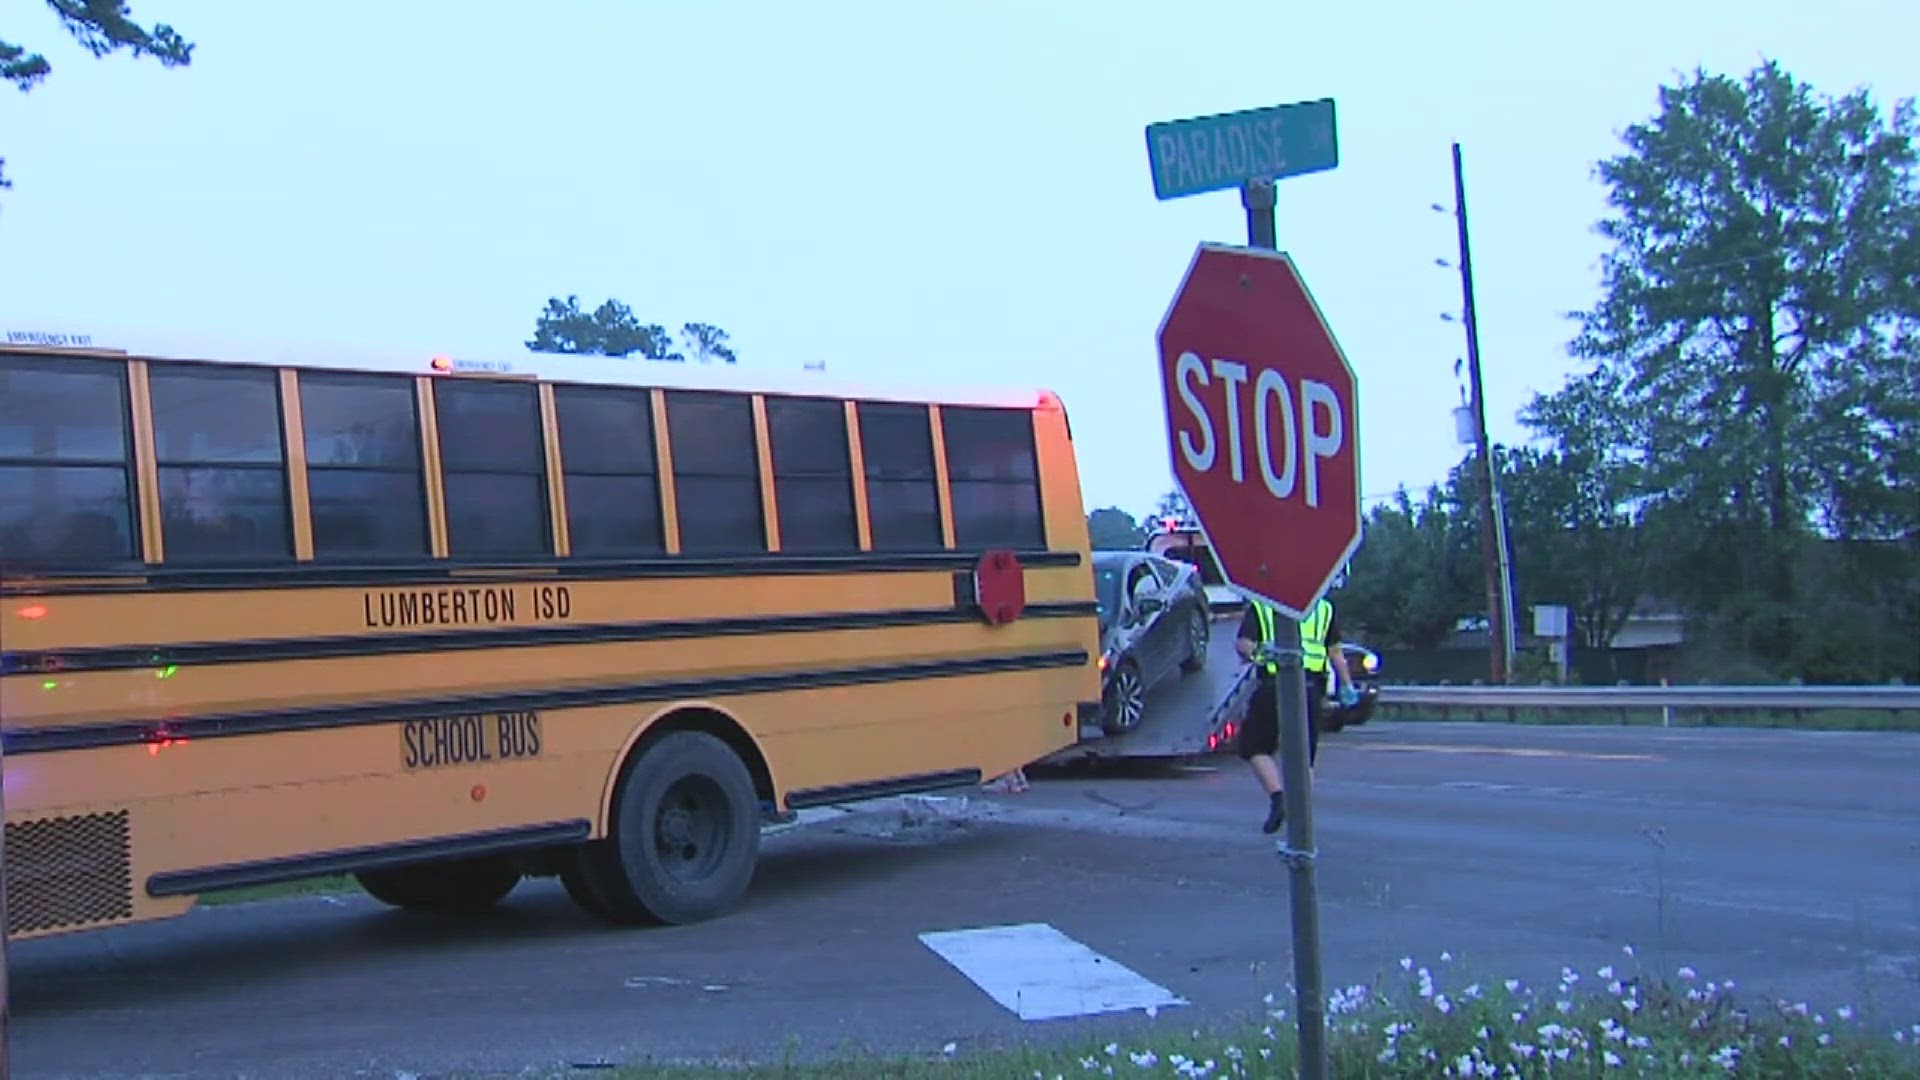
446 625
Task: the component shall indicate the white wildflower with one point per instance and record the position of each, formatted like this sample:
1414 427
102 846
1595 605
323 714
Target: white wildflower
1519 1018
1826 1039
1628 949
1688 973
1266 1052
1726 1057
1388 1055
1464 1065
1153 1011
1146 1059
1639 1042
1845 1012
1513 986
1785 1040
1632 1004
1445 956
1112 1049
950 1049
1406 963
1234 1054
1605 972
1525 1050
1473 992
1612 1059
1483 1034
1089 1063
1440 1002
1564 1006
1616 988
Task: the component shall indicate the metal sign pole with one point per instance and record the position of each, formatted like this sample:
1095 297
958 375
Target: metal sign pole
1296 773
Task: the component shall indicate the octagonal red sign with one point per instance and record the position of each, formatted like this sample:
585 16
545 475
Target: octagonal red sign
1261 424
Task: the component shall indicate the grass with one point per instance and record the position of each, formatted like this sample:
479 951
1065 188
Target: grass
320 886
1805 720
1607 1023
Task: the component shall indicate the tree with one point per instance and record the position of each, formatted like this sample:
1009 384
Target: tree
707 343
1574 537
611 330
1112 527
102 27
1174 506
1754 364
1418 573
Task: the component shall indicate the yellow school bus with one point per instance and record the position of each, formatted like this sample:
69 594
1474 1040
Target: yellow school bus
270 613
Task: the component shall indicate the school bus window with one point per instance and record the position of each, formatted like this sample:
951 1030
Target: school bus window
223 471
494 468
812 474
65 492
994 477
716 472
612 480
903 495
364 480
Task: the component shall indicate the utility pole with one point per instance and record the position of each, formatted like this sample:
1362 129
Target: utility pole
6 996
1493 525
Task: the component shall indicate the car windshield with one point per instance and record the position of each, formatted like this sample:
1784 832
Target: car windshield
1107 579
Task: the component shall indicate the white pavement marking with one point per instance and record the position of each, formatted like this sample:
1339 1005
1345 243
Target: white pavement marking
1039 973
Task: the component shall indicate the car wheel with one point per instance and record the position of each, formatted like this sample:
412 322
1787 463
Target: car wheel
1199 634
1125 700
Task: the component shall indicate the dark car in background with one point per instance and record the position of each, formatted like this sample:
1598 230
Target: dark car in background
1155 622
1364 665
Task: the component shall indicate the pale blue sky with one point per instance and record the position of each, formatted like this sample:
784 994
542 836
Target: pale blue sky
935 191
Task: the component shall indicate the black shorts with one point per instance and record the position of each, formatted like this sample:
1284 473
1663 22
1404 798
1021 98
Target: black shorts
1260 730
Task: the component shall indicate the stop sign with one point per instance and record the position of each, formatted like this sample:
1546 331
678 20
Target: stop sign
1261 424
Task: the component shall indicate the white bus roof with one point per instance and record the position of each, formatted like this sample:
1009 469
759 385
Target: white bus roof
521 362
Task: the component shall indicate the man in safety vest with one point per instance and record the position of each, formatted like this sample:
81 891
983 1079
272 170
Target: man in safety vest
1260 733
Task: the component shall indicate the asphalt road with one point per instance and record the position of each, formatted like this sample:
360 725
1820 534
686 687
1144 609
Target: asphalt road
1788 861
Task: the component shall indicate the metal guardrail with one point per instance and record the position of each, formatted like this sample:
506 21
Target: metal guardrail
1893 698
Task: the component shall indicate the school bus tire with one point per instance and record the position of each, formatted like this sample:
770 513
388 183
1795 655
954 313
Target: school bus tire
451 887
683 835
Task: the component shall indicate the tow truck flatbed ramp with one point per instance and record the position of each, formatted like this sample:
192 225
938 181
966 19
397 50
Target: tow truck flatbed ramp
1187 715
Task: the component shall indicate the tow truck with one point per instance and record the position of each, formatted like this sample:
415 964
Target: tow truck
1200 712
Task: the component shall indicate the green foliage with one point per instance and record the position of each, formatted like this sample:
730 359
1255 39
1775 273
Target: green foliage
707 343
1416 574
1750 412
101 27
612 329
1112 527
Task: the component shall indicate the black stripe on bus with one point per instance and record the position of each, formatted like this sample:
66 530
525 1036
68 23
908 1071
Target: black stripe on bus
142 578
135 732
349 860
123 657
880 789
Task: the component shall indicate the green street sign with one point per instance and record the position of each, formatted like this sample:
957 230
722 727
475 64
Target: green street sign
1208 153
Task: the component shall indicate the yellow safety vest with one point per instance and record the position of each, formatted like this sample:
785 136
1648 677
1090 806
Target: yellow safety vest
1313 635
